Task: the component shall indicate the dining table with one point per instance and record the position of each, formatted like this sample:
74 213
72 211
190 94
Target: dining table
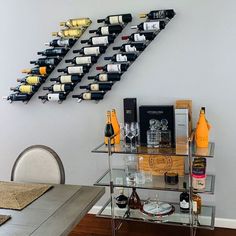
55 213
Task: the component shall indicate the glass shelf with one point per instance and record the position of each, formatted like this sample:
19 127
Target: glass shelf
157 183
180 151
205 219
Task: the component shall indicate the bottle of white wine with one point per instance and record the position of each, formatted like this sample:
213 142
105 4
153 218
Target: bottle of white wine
138 37
116 19
28 89
122 67
82 60
122 57
94 50
131 47
110 29
32 80
79 22
51 52
90 95
104 77
150 25
99 86
57 97
43 70
75 70
47 61
67 79
60 88
61 42
159 14
100 40
69 33
18 97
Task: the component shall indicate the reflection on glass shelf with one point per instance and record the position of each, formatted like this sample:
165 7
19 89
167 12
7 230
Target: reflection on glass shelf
205 220
183 151
157 183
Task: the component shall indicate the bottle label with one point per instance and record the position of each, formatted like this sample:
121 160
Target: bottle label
49 61
184 204
116 20
151 25
43 70
87 96
129 48
63 42
53 97
32 80
75 70
159 14
83 60
58 88
120 57
94 87
100 40
103 77
105 30
91 51
139 37
194 206
65 79
25 89
113 68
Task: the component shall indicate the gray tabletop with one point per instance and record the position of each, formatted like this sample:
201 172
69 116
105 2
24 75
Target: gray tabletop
55 213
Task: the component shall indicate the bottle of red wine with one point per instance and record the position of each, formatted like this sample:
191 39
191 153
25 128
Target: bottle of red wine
42 70
114 67
100 40
104 77
61 42
60 88
28 89
67 79
47 61
90 95
150 25
75 70
102 86
32 80
159 14
54 52
54 97
110 29
18 97
116 19
94 50
82 60
122 57
138 37
131 47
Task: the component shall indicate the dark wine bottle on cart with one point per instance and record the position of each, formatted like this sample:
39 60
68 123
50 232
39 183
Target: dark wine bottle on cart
82 60
122 57
116 19
51 52
90 96
61 42
60 88
17 97
138 37
67 79
159 14
46 61
121 67
184 199
32 80
54 97
150 25
102 86
75 70
42 70
109 130
134 200
131 47
100 40
28 89
94 50
104 77
110 29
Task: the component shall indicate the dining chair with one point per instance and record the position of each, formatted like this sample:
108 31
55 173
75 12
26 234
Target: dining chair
39 164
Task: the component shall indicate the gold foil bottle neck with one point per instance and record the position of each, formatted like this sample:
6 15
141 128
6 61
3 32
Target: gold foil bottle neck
142 15
54 33
63 24
26 71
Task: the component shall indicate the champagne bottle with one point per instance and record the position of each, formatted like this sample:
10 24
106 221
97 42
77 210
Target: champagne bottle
28 89
150 25
90 95
54 52
32 80
184 199
138 37
79 22
43 70
131 47
60 88
116 19
82 60
113 67
100 40
109 130
134 200
75 70
94 50
116 126
18 97
47 61
110 29
122 57
159 14
103 77
69 33
57 97
102 86
61 42
67 79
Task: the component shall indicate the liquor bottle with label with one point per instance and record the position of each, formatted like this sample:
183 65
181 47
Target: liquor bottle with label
94 50
67 79
79 22
134 200
28 89
100 40
82 60
138 37
109 130
184 199
61 42
52 52
103 77
47 61
159 14
131 47
75 70
122 57
56 97
32 80
90 95
69 33
122 67
197 204
150 25
43 70
110 29
116 19
60 88
18 97
99 86
116 126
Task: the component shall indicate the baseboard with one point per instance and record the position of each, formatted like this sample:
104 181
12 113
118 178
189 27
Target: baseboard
219 222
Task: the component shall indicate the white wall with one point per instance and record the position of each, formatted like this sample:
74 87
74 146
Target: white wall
193 58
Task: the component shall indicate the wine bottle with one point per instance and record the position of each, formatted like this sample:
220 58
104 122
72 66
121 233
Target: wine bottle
69 33
116 126
110 29
67 79
103 77
43 70
79 22
46 61
53 52
121 200
90 95
150 25
74 70
109 130
61 42
122 57
134 200
58 97
142 36
116 19
113 67
102 86
159 14
28 89
82 60
131 47
100 40
94 50
32 80
60 88
184 199
17 97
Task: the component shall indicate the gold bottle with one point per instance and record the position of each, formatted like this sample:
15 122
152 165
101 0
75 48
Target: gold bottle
69 33
116 126
79 22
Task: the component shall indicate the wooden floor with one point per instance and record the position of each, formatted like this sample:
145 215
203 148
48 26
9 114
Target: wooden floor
93 226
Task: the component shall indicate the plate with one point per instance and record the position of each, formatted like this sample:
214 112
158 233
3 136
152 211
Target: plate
157 209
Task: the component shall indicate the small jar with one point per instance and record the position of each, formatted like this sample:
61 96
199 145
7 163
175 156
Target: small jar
199 182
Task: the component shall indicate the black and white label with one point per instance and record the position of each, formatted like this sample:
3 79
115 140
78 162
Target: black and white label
152 25
75 70
65 79
121 58
139 37
103 77
94 87
100 40
116 20
63 42
49 61
184 204
83 60
87 96
113 67
129 48
91 51
58 87
53 97
159 14
104 30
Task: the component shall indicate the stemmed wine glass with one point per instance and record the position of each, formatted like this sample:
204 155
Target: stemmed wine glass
135 127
